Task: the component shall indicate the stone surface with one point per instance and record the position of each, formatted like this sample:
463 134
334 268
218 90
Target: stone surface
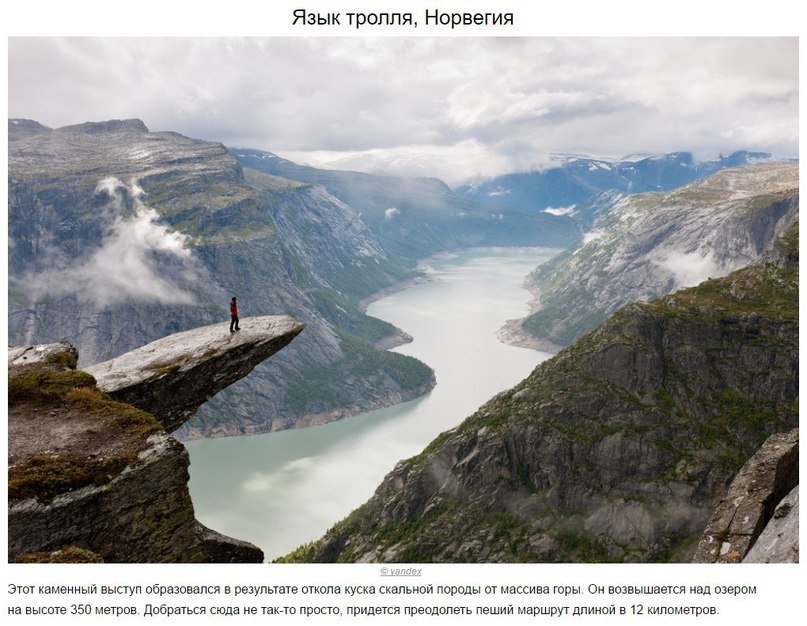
92 476
172 377
23 355
217 548
779 542
143 515
750 503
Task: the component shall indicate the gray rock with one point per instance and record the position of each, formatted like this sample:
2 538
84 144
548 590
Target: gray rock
779 542
750 503
139 509
144 515
172 377
23 355
652 244
218 548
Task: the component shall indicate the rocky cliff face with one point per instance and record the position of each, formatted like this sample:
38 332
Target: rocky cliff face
119 236
102 479
651 244
757 519
779 540
141 515
617 449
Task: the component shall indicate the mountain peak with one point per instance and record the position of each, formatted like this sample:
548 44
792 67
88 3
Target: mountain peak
133 124
19 123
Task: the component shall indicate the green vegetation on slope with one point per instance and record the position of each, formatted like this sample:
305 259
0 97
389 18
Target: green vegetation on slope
363 367
60 401
614 450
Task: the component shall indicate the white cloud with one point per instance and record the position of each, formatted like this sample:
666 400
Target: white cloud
139 259
391 213
451 107
690 268
593 235
563 210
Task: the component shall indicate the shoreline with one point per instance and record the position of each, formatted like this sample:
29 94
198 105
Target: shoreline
512 333
388 291
400 337
421 276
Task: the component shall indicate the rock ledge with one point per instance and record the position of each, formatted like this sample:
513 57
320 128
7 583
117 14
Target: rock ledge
173 376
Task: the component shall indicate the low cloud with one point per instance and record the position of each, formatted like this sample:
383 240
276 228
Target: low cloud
390 213
139 259
690 268
563 210
593 235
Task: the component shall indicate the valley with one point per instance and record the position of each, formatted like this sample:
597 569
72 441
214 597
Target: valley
676 306
287 487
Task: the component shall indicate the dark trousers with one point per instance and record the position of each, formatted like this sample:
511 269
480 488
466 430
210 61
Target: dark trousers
233 322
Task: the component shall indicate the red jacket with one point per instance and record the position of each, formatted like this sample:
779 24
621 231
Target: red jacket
233 309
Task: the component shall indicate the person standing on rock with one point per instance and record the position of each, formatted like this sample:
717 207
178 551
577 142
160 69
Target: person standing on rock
234 315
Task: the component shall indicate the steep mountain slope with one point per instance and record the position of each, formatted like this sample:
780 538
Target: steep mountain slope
416 217
617 449
651 244
119 236
567 187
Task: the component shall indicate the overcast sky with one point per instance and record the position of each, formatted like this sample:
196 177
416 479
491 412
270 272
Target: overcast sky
449 107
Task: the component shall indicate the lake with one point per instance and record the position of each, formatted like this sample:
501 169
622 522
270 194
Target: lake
280 490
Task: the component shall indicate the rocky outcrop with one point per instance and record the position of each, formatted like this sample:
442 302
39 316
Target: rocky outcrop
617 449
652 244
144 514
779 542
762 494
43 353
172 377
95 478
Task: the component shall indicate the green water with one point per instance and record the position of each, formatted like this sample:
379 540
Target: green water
283 489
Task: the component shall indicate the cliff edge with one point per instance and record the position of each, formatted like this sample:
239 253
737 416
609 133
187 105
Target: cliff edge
173 376
757 521
92 478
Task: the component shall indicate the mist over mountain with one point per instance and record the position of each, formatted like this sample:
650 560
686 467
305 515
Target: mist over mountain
650 244
119 236
569 187
416 217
